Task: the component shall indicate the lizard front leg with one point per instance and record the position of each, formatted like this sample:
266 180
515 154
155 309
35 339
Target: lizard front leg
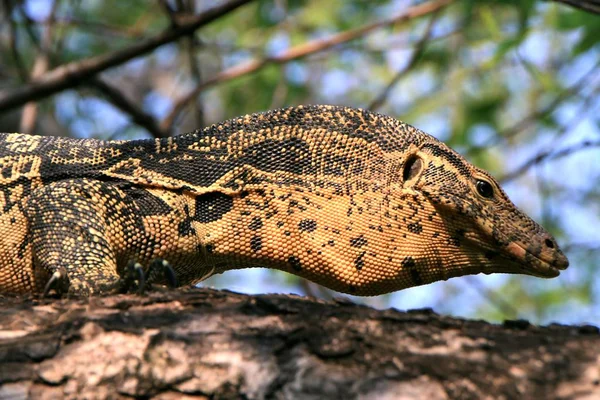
69 236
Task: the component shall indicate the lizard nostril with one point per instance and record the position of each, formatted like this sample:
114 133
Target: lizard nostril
549 243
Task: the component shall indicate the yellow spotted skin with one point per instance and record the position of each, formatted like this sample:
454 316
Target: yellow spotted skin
353 200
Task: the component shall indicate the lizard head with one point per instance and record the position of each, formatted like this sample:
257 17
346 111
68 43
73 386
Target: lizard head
478 217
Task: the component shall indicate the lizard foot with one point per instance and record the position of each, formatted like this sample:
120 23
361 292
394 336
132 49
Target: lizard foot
135 279
58 282
162 267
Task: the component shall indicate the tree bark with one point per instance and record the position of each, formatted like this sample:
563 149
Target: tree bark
208 344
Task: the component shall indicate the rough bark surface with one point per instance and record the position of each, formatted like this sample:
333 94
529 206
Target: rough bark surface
202 343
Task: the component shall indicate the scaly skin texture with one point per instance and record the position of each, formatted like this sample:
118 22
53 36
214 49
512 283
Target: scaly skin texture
355 201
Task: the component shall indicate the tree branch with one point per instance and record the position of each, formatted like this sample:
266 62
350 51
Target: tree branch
536 115
548 154
297 52
137 115
12 38
202 343
196 74
41 64
73 74
592 6
494 297
416 55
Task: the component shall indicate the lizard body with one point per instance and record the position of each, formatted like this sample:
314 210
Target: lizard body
353 200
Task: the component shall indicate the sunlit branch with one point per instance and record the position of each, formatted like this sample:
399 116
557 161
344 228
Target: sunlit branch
416 55
494 298
137 115
40 66
592 6
297 52
74 74
548 155
536 115
12 39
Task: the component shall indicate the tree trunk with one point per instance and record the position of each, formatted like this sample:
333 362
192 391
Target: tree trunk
202 343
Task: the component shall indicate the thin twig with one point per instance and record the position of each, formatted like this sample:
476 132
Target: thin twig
40 66
414 58
547 155
73 74
189 47
100 28
403 44
494 298
581 246
592 6
297 52
196 74
535 116
169 10
137 115
281 91
582 83
29 24
12 38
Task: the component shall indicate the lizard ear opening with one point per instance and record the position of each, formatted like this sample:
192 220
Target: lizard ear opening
412 167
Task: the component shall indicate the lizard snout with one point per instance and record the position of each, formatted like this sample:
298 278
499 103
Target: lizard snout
550 252
541 256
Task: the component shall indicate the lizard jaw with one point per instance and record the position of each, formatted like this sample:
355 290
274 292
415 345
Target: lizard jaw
535 265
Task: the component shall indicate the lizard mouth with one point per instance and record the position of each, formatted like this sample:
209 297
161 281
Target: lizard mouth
543 267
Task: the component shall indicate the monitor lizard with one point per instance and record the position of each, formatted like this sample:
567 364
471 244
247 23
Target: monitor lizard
350 199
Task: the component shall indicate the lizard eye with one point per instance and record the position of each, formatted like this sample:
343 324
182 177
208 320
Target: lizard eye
485 189
412 167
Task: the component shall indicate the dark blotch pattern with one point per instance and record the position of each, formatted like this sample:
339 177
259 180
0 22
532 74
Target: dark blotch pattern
454 241
295 263
359 262
409 264
307 225
185 228
256 243
415 227
358 241
146 202
280 155
255 224
211 207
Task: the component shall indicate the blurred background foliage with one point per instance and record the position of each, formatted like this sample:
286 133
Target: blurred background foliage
512 85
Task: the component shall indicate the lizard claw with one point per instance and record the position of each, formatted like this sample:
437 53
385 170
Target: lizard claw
133 273
59 282
163 265
136 280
